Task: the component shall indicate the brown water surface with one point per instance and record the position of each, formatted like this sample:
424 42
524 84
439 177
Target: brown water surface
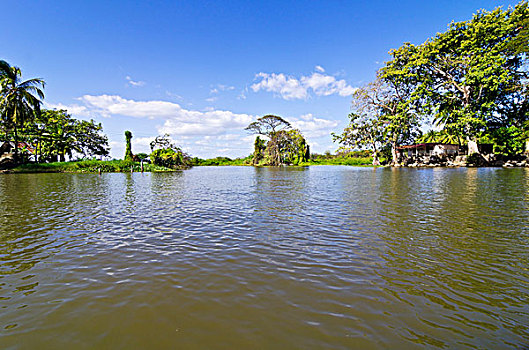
250 258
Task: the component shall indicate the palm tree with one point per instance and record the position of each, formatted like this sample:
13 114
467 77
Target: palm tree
18 103
429 137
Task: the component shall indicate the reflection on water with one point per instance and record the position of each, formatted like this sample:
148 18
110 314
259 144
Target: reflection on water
240 257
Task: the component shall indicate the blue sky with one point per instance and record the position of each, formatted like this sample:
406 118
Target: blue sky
203 70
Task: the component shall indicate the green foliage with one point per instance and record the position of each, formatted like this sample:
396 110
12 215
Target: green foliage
441 136
165 153
352 161
363 131
168 157
471 80
51 134
223 161
294 148
128 147
259 150
87 166
142 155
467 72
19 100
508 141
56 134
285 145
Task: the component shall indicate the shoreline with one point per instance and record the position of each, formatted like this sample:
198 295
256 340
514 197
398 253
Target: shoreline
86 166
25 169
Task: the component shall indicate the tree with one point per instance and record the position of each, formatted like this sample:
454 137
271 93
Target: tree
163 141
520 42
128 147
259 149
268 125
441 136
90 141
167 154
19 100
467 75
363 131
385 105
284 145
56 134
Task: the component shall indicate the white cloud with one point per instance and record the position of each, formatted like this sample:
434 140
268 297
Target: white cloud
220 87
107 105
173 95
242 95
75 110
213 122
289 87
176 120
313 127
325 85
202 133
134 83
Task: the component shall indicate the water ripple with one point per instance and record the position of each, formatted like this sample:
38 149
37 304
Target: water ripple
229 257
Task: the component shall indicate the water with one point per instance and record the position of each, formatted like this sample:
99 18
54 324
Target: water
241 257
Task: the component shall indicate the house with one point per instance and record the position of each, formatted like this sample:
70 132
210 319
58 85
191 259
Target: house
440 149
428 149
7 150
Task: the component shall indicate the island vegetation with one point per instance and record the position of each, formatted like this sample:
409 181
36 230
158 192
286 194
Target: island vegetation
284 145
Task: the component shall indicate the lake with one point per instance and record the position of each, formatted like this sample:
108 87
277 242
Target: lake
324 257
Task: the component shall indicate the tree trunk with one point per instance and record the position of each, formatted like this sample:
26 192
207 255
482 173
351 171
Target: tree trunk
376 161
472 147
394 153
16 145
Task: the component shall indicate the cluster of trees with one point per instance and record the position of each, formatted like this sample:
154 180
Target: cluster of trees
51 134
166 153
163 152
470 82
284 146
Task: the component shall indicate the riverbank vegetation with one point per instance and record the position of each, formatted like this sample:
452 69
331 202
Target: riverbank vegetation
88 166
40 134
356 158
469 83
33 139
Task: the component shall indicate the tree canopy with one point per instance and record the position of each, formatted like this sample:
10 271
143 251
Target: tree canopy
49 134
19 100
165 153
284 146
469 81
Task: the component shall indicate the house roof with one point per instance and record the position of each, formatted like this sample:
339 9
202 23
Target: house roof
21 145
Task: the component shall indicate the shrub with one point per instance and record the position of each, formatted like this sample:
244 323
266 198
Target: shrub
168 157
